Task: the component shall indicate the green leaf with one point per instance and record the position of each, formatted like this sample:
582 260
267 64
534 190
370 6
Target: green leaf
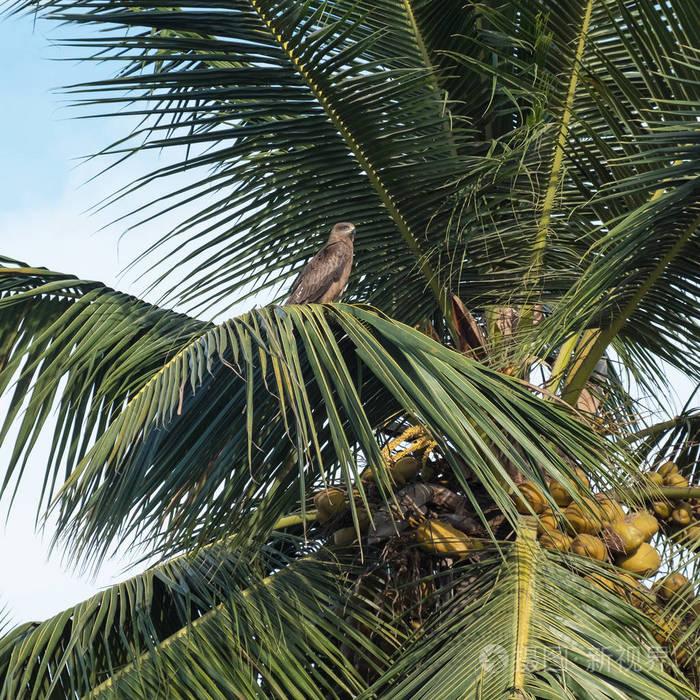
528 626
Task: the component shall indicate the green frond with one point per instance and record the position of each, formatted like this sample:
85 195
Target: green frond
79 345
207 625
227 427
676 439
279 399
529 626
279 107
605 166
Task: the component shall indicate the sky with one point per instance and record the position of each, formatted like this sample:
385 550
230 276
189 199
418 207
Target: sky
44 221
48 218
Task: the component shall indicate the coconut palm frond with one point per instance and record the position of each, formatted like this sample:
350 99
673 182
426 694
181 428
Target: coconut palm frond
530 625
300 375
598 222
257 410
676 439
280 106
82 345
206 625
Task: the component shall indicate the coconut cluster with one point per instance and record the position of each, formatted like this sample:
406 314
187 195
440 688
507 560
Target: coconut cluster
596 527
678 516
425 512
599 528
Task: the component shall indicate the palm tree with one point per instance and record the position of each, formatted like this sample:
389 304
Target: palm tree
343 500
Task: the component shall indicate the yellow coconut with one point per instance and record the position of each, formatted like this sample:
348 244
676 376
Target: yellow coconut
583 477
367 474
611 509
675 585
666 628
622 537
589 546
362 518
634 591
344 536
529 494
556 540
547 522
601 581
691 535
637 593
662 509
405 469
644 562
586 519
653 478
682 515
440 538
668 468
676 480
329 502
559 493
645 522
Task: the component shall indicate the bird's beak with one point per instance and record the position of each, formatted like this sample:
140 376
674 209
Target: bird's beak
352 235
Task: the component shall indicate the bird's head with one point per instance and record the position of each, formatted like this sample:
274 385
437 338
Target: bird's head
342 230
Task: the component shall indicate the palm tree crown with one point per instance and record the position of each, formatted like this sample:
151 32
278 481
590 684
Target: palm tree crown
442 487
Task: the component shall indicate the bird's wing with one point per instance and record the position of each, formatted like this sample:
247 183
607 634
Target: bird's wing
325 268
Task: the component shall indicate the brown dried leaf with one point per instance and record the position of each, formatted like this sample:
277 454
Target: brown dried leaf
470 338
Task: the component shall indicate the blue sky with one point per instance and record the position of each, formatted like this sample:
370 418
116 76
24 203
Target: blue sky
44 220
43 200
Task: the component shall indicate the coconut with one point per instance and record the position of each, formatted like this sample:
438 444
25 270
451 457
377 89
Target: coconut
556 540
675 585
645 522
582 476
653 478
405 469
603 582
546 522
344 536
668 468
662 509
622 537
683 515
676 480
666 628
367 474
644 562
529 498
589 546
635 592
440 538
611 509
585 519
363 518
691 534
560 495
328 503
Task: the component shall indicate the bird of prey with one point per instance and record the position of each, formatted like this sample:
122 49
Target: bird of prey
326 274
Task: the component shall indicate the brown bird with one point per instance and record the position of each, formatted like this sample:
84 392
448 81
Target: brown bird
326 274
